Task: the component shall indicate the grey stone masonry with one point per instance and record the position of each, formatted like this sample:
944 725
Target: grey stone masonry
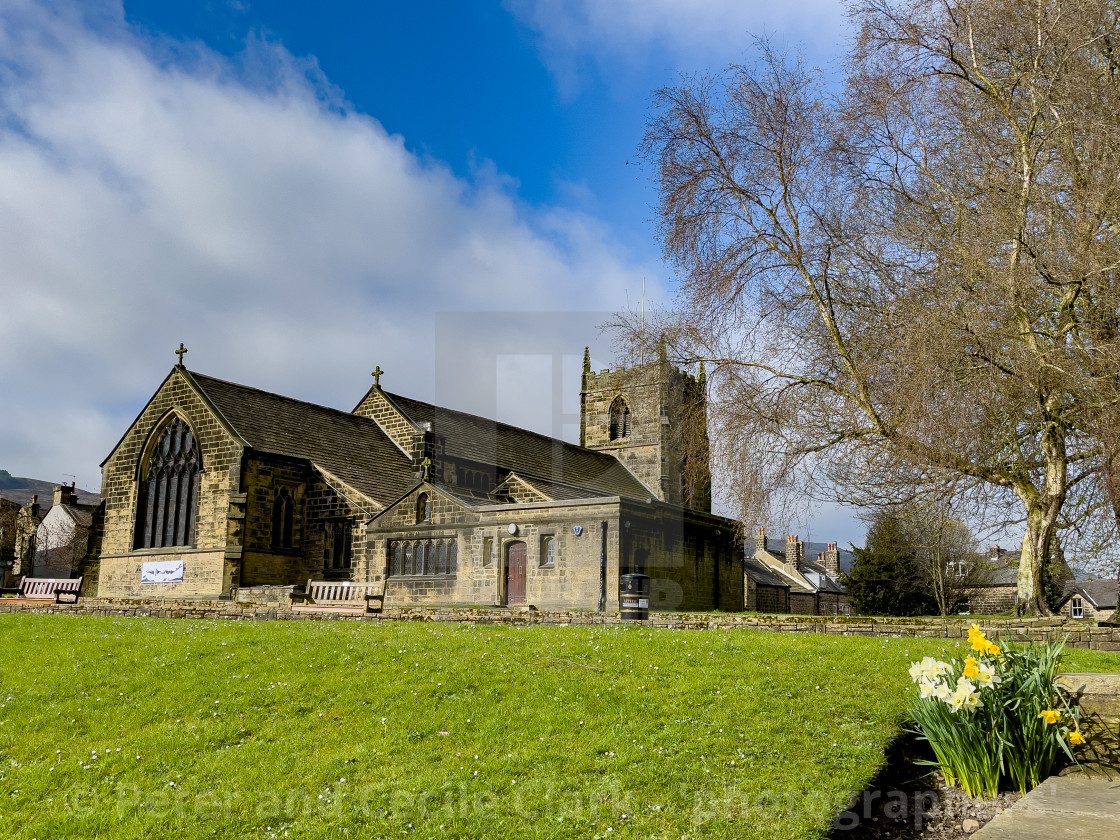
664 440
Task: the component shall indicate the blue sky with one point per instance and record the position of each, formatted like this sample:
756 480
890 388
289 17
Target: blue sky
301 191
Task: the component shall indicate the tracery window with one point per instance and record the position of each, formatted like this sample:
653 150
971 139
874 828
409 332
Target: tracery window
168 499
283 519
620 418
429 558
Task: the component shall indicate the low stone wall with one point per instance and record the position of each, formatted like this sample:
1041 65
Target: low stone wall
1098 698
272 603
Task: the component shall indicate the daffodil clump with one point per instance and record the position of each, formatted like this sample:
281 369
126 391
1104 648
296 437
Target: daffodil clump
994 715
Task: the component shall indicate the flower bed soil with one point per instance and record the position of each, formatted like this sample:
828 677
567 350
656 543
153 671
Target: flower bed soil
909 800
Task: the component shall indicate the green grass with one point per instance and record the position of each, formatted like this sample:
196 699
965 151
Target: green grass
335 729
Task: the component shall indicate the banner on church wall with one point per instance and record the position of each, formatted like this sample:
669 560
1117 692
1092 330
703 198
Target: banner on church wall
162 571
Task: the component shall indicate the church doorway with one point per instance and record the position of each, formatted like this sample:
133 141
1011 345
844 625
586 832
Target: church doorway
516 556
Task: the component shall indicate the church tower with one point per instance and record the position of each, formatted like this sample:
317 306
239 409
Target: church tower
654 419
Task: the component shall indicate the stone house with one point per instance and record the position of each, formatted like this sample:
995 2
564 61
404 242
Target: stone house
810 587
218 487
9 514
1090 599
62 537
991 585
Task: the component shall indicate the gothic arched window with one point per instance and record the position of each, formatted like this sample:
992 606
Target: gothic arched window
168 498
423 508
283 517
620 418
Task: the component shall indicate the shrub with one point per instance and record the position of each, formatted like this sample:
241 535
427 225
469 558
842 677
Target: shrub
995 715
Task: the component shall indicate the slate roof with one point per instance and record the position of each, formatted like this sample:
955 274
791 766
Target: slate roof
761 575
82 515
353 448
826 584
1102 593
999 572
529 454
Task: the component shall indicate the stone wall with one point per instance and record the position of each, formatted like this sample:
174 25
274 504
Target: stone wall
764 599
207 572
377 407
483 541
989 600
667 425
1079 634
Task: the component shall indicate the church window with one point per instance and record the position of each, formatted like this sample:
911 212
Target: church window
487 551
168 500
548 550
283 517
423 558
338 551
620 418
423 508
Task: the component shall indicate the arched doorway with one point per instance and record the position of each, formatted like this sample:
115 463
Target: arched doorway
517 555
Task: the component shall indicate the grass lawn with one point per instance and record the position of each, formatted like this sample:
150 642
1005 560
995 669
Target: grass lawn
122 728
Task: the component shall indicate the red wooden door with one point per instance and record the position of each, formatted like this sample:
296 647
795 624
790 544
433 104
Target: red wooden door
516 555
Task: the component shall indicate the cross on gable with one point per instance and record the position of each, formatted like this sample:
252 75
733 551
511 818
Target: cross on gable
182 349
377 371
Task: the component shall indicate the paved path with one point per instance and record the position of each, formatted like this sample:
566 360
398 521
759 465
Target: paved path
1077 807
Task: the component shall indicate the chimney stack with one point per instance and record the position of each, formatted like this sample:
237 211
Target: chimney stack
760 541
64 495
832 560
794 552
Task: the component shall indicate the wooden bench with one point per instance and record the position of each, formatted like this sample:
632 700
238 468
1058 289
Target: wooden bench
59 590
339 596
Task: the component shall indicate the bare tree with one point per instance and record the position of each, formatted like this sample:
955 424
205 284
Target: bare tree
915 279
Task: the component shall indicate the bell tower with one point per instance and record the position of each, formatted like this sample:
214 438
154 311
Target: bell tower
654 419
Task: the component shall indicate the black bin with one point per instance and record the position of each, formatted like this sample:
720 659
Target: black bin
633 597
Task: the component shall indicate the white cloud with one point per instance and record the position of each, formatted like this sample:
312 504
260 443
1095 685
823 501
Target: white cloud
152 193
697 34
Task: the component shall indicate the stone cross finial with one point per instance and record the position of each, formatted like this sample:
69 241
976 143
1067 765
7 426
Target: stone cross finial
182 349
377 371
426 468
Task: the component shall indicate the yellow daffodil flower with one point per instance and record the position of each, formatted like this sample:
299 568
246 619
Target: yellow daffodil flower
1051 716
970 669
1075 738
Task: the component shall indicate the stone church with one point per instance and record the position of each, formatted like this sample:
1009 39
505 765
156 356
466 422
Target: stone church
218 488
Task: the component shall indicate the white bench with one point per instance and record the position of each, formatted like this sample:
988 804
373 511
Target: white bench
339 596
59 590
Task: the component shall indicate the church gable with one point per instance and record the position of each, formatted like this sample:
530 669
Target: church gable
397 425
516 489
178 404
428 505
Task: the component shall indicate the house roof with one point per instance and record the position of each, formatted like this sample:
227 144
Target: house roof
530 454
351 447
825 582
1102 594
81 514
760 574
1002 571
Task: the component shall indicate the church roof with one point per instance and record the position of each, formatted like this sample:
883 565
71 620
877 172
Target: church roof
531 455
351 447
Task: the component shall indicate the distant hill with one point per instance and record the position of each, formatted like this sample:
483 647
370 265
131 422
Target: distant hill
20 490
